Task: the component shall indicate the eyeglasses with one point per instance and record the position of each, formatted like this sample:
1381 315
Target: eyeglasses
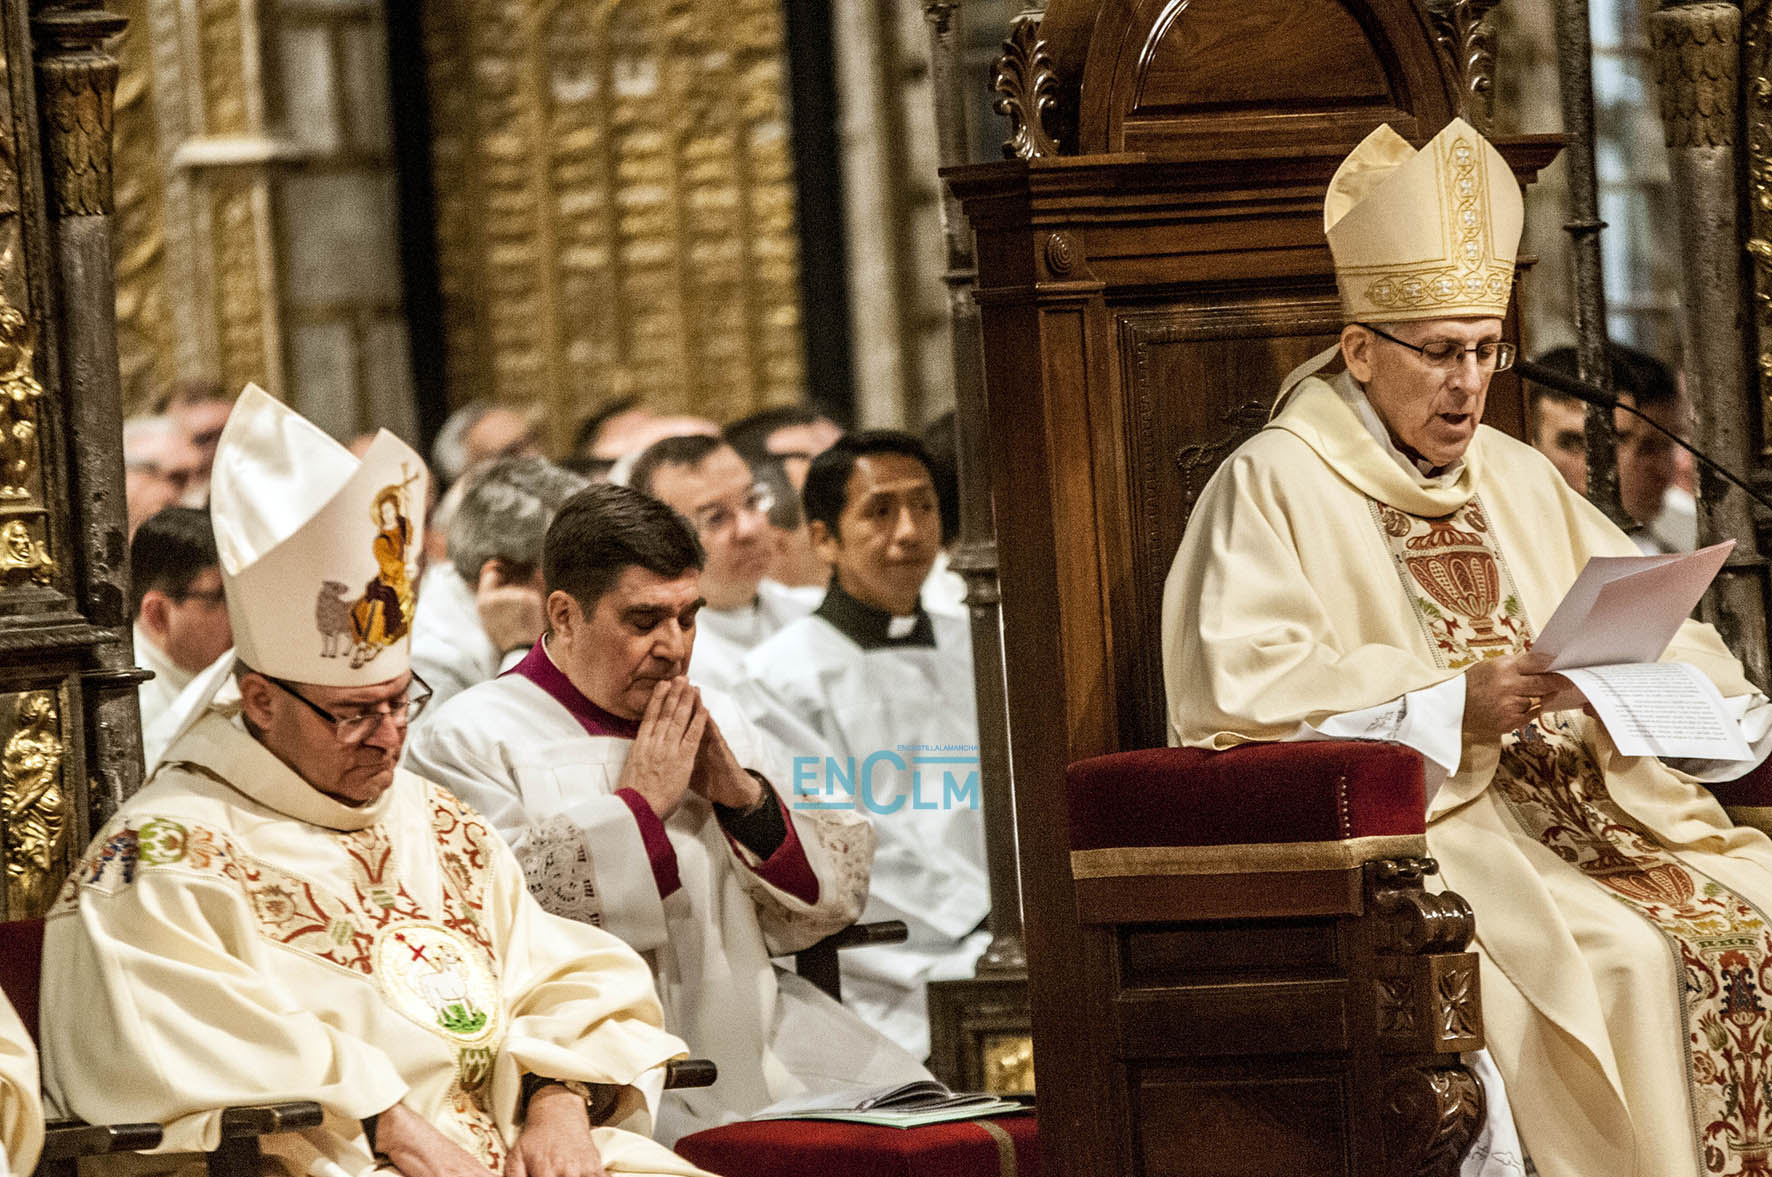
717 517
354 729
1492 355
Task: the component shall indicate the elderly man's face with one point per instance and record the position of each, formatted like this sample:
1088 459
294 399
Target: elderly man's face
286 718
501 433
639 633
722 499
1431 411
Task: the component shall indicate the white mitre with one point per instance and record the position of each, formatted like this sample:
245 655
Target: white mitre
319 550
1429 234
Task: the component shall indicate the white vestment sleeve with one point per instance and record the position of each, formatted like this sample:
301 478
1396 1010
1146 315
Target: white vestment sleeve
628 903
1754 714
1430 720
21 1106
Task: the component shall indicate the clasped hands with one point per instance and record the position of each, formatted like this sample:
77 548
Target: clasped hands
555 1141
680 750
1504 694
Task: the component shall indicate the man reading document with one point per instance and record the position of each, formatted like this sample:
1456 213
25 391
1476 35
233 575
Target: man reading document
1376 561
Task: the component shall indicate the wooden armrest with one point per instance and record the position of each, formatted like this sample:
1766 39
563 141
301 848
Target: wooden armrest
63 1139
264 1119
690 1072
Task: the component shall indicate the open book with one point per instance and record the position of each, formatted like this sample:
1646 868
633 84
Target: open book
907 1105
1606 636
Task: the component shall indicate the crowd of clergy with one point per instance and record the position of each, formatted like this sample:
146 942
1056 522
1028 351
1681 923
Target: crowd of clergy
479 789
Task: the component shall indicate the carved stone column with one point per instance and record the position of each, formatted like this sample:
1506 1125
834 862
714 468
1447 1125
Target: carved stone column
1575 67
76 82
1697 56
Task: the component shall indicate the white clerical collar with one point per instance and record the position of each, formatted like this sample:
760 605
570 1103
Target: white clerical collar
1350 391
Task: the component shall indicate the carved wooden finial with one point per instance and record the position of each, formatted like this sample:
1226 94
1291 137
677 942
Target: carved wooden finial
1468 41
1027 92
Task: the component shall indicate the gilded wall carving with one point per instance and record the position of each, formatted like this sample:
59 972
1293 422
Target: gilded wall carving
1756 73
144 325
615 202
33 799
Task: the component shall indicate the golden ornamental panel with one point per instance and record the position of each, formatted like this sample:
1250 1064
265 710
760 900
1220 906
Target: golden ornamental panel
615 202
144 323
34 800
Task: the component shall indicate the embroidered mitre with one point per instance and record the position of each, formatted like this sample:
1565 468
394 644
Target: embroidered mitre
319 550
1428 234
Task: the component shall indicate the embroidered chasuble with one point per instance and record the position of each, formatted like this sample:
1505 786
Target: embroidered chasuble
235 936
21 1108
1621 918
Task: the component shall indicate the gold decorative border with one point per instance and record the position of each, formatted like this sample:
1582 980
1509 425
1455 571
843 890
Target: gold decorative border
1243 857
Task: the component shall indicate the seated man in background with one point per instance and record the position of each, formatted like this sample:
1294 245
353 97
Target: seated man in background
176 603
284 914
482 612
704 480
636 805
1666 515
779 445
161 468
21 1107
871 672
199 406
482 431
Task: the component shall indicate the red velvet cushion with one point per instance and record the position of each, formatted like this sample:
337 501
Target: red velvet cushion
824 1148
21 965
1753 789
1303 792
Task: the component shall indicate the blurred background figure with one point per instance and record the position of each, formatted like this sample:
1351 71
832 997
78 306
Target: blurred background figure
704 480
621 429
176 603
779 444
481 610
1649 463
480 431
200 408
160 468
945 590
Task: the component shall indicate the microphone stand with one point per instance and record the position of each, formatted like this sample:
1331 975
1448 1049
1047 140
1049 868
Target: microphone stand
1593 394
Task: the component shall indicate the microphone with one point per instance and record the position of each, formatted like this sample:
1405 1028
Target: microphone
1593 394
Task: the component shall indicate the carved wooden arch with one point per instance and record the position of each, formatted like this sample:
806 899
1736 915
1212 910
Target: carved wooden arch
1161 75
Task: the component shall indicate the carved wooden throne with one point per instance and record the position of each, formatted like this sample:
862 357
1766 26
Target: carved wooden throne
1235 966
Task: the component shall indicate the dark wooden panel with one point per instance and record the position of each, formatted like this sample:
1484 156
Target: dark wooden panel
1201 59
1169 956
1245 1017
1163 899
1256 1127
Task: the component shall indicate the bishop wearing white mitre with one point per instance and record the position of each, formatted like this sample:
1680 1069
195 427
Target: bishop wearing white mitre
1376 561
283 914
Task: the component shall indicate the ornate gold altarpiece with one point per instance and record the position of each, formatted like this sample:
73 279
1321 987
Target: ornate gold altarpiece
69 738
615 203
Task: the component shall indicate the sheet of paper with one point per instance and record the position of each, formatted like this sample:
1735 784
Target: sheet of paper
1661 709
1627 608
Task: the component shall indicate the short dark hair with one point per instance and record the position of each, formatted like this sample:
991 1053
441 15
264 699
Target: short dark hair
592 426
827 483
168 552
1636 374
750 435
605 529
688 450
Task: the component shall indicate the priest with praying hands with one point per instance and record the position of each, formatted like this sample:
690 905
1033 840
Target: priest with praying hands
1375 563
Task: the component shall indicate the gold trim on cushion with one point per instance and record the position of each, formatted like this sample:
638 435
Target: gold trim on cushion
1243 857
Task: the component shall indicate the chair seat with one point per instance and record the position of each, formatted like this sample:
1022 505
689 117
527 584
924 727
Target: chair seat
998 1146
1292 792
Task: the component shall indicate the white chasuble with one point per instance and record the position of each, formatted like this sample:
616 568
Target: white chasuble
235 936
21 1107
1621 917
544 764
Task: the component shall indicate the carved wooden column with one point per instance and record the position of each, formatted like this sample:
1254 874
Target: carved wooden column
77 83
1697 56
1002 969
1467 38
